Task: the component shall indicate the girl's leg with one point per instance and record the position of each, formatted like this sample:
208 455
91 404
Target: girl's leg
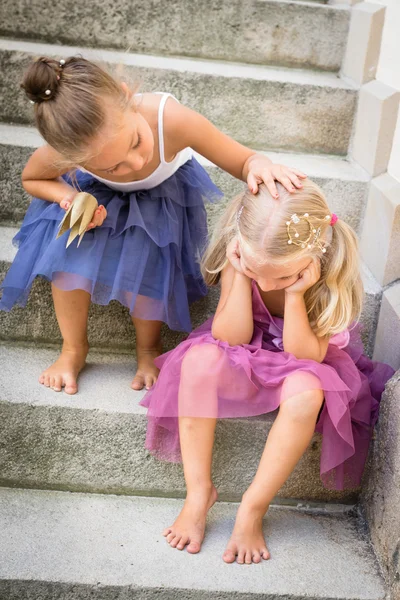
72 310
288 439
196 441
148 347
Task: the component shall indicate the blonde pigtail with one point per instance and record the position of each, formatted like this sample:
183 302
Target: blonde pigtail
214 259
336 299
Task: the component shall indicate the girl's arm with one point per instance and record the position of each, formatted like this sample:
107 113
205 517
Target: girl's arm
186 128
233 322
40 178
298 337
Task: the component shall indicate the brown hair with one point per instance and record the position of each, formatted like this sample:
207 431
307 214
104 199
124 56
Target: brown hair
69 102
259 223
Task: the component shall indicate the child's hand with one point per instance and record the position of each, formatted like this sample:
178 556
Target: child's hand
67 201
99 214
233 255
98 218
262 170
307 278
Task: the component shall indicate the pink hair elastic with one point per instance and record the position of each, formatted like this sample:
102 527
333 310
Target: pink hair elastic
333 220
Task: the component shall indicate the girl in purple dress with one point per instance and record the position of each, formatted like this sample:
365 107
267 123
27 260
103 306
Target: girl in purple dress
283 337
133 152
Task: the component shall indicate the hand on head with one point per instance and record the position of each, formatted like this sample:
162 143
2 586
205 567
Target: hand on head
307 278
233 255
262 170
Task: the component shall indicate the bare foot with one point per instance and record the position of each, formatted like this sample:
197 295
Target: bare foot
147 372
64 372
247 541
190 525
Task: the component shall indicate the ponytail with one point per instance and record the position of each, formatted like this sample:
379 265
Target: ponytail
336 299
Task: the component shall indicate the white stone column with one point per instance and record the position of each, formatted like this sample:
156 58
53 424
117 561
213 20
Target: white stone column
380 239
387 342
375 125
364 41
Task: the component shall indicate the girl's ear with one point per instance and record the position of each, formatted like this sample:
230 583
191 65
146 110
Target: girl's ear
127 91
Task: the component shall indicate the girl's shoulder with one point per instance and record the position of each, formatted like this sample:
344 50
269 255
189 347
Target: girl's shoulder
174 117
152 101
154 106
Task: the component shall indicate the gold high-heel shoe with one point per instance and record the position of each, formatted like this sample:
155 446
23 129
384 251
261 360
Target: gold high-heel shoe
78 217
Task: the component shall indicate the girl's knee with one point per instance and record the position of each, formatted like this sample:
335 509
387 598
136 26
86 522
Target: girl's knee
201 361
304 406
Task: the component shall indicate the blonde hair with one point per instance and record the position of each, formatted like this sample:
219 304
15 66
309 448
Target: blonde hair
259 222
69 103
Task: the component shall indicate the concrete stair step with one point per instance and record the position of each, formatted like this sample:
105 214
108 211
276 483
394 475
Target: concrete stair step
94 441
61 545
36 322
300 34
344 183
289 109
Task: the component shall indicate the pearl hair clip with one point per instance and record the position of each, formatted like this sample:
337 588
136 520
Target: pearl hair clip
312 237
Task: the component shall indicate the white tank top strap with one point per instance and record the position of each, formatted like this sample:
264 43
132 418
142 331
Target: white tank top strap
161 107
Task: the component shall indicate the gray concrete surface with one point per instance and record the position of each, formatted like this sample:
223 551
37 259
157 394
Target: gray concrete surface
104 545
269 32
94 441
381 494
344 183
37 321
278 108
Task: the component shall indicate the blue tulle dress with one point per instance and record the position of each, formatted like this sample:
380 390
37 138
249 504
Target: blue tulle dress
145 255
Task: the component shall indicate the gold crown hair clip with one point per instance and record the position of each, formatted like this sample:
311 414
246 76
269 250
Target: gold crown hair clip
78 217
312 237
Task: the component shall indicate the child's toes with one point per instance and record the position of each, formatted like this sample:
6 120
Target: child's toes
57 384
184 540
149 381
256 557
241 556
46 380
194 547
265 553
166 531
170 537
173 543
229 555
248 559
138 382
70 386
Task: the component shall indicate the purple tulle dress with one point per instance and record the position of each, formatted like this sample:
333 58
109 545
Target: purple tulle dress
204 377
146 253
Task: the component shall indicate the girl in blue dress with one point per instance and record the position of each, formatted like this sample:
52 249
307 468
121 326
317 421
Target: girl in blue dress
133 152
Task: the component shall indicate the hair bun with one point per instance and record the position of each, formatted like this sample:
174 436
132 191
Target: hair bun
42 80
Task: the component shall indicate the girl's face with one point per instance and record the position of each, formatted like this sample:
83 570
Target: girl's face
123 148
273 277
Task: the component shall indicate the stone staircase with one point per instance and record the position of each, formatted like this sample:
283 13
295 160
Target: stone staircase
82 503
